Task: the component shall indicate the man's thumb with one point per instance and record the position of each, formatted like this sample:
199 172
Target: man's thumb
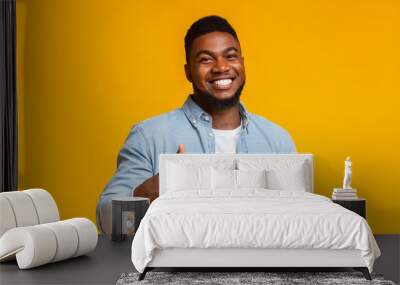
181 148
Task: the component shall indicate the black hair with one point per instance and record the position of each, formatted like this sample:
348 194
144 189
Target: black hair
204 26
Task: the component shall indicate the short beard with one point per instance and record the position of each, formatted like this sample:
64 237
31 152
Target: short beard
216 104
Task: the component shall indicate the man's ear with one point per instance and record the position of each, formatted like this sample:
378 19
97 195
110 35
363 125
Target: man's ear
187 72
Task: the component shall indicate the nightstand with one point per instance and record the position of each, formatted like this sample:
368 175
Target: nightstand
127 212
357 205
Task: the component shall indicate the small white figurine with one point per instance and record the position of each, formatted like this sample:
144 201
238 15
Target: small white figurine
347 174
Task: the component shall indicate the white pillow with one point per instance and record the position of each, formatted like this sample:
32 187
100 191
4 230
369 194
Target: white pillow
294 178
251 178
223 179
227 179
182 177
282 174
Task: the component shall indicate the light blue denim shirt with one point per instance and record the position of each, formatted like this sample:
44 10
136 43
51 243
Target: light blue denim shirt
191 126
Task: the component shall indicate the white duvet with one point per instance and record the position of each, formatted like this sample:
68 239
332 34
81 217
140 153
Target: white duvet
250 219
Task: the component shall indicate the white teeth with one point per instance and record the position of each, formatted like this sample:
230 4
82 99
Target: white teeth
223 82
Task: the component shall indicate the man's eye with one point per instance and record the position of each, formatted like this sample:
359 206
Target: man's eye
205 59
232 56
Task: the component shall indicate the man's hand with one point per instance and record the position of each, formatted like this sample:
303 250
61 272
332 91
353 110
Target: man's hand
150 188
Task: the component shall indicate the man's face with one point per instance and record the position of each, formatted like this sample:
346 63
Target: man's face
216 67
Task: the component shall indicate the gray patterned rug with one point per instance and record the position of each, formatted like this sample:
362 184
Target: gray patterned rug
269 278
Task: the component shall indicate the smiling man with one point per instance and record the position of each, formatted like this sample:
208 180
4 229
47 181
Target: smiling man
212 120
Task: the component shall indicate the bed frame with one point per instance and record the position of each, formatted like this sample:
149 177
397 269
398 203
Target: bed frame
260 259
249 259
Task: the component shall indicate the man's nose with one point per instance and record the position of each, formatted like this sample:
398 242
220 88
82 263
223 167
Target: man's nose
221 65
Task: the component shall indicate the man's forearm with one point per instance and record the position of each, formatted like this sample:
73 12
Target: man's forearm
148 189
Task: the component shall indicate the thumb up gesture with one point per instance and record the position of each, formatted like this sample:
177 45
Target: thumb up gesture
181 148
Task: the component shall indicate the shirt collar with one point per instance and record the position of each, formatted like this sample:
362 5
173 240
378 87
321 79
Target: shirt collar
195 113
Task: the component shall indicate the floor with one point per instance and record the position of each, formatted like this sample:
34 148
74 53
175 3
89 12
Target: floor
389 262
110 260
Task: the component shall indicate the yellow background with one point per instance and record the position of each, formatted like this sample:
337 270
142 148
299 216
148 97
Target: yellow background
327 71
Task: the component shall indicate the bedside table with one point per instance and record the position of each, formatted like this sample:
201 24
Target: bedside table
127 213
357 205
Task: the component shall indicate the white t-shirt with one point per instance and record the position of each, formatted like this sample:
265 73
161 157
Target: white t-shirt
226 140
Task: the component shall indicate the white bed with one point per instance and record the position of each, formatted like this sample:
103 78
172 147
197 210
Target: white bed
237 211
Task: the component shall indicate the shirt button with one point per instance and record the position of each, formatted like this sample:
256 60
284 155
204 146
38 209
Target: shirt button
206 118
210 134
